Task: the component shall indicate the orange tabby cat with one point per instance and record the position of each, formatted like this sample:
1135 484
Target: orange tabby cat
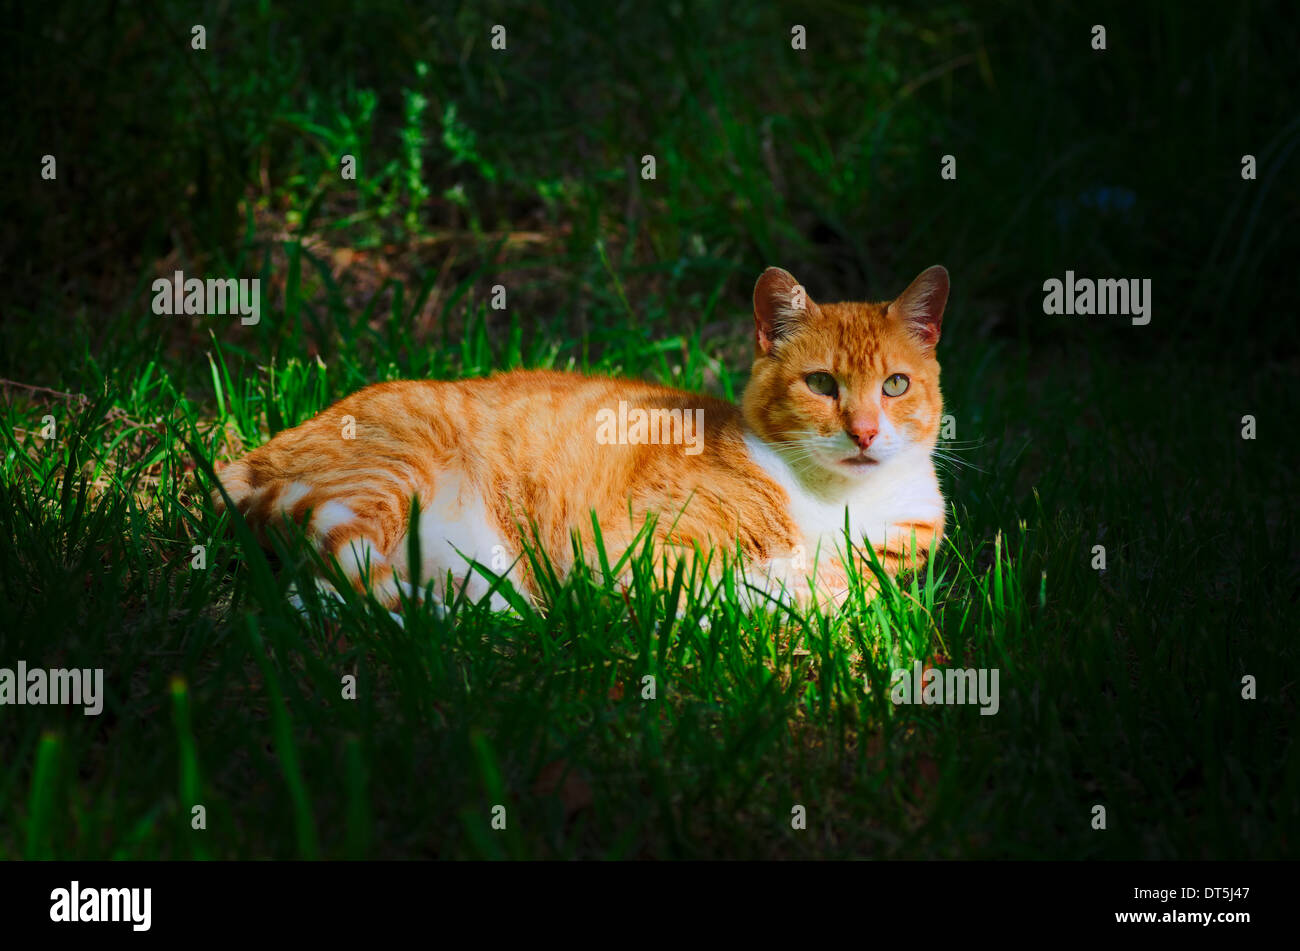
838 421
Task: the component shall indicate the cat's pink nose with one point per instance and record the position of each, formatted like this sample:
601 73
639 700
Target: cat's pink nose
862 432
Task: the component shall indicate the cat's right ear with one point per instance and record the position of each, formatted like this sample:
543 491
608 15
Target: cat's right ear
780 305
920 307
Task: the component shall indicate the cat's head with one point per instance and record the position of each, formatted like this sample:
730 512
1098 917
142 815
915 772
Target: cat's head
844 388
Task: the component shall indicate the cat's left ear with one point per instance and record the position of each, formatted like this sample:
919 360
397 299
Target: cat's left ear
780 305
921 306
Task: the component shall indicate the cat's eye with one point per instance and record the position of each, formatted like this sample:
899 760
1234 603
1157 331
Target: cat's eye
896 385
822 383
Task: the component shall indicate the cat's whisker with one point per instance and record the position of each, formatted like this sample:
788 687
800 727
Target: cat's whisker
799 457
804 435
945 454
952 462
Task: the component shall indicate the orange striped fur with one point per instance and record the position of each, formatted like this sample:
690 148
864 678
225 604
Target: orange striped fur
776 476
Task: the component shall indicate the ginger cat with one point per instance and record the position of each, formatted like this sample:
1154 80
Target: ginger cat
839 419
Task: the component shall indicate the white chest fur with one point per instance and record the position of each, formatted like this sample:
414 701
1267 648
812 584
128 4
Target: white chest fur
902 489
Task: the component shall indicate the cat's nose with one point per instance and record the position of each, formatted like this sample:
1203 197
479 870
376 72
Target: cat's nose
862 432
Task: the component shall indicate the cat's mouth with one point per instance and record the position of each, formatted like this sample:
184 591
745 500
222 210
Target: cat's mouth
860 459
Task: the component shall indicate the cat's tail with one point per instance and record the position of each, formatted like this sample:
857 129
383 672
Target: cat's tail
355 526
236 479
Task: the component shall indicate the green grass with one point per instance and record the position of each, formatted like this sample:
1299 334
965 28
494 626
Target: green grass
1119 687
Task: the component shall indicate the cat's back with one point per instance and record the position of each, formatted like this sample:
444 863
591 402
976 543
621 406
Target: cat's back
546 401
561 445
521 416
549 446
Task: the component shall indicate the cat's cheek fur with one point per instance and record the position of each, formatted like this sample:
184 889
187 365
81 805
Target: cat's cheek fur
920 418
